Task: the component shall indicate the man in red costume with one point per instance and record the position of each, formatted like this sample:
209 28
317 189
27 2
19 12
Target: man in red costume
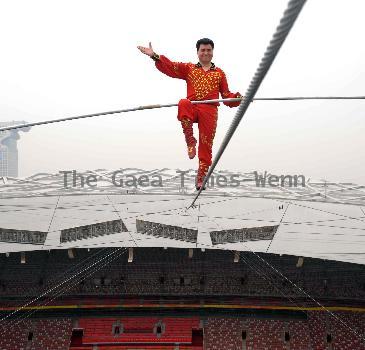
204 82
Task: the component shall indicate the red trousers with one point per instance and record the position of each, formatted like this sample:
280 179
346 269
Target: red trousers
206 116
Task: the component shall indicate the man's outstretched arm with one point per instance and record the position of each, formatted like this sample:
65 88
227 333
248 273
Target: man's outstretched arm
163 64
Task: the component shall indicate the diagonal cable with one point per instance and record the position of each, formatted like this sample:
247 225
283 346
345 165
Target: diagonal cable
286 23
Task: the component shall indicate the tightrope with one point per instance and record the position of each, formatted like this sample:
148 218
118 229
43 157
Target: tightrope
286 23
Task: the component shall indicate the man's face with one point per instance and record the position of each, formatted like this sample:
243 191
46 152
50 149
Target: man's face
205 53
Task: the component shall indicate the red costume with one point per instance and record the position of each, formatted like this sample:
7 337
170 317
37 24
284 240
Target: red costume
201 85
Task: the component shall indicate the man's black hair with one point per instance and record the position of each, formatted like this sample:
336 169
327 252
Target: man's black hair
204 41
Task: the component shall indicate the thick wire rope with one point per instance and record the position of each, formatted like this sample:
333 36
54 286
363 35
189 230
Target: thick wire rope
146 107
286 23
297 98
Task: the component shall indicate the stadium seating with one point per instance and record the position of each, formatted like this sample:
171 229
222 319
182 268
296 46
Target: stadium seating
321 331
343 330
160 278
43 334
138 330
155 271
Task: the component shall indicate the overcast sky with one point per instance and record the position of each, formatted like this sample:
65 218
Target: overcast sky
65 58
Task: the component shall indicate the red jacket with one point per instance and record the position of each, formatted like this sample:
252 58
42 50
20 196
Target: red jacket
201 85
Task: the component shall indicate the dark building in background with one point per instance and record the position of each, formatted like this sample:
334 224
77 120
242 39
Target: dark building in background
9 149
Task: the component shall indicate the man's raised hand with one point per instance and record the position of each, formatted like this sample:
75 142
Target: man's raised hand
146 50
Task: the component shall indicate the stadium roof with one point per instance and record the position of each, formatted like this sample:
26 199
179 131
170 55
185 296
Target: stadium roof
320 220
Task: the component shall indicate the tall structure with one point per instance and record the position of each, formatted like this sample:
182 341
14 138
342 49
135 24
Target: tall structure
9 149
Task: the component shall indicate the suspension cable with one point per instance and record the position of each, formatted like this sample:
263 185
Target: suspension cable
286 23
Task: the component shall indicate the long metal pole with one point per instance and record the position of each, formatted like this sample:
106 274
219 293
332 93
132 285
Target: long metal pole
140 108
133 109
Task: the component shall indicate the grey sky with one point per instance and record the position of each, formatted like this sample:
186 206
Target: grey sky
64 58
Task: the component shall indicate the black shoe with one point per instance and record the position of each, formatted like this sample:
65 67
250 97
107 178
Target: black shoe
198 187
